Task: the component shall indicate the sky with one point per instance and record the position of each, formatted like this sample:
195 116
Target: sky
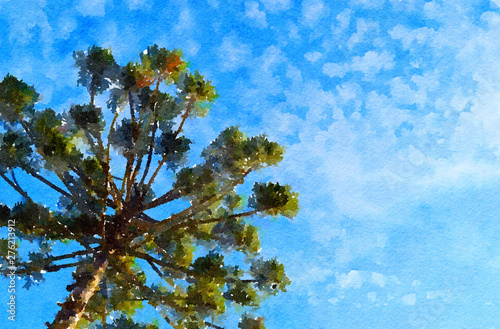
390 114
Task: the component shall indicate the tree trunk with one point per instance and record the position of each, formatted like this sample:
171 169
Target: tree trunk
84 288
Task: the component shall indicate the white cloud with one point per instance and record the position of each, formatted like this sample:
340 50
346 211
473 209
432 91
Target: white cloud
494 262
139 4
253 13
335 69
379 279
409 299
66 24
233 53
344 19
193 47
363 29
186 21
372 296
313 57
213 3
22 22
293 31
408 5
277 5
372 62
263 76
407 36
441 294
385 113
313 10
369 4
353 279
92 8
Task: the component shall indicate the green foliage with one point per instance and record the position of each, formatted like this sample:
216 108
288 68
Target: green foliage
205 297
173 148
274 199
16 98
198 181
242 293
156 61
15 151
124 322
123 139
235 154
106 174
168 108
210 266
97 69
248 322
88 117
269 275
235 234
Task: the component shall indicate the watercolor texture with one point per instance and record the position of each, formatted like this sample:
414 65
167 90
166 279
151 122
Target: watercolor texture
250 164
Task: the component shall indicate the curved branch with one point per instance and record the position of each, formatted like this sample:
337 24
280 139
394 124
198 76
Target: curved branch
16 187
169 266
156 269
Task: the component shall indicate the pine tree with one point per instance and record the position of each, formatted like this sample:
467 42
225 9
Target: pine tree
105 175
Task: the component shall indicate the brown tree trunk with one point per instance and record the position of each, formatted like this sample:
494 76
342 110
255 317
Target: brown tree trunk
84 288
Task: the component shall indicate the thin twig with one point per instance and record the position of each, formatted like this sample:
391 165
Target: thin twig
164 157
212 325
153 266
165 198
50 184
16 187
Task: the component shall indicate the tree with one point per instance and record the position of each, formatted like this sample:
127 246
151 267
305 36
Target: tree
105 174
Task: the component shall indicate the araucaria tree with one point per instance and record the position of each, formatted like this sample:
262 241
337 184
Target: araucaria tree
105 173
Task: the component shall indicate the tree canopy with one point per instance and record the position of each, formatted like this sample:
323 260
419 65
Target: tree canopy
103 162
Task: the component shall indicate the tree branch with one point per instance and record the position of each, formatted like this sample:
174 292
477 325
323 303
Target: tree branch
165 198
46 262
164 157
169 266
215 220
153 266
184 116
15 187
181 216
212 325
73 254
146 218
48 268
148 292
55 268
155 127
85 287
50 184
14 177
80 202
150 153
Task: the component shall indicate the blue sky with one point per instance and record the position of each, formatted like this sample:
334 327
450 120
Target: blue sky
390 114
